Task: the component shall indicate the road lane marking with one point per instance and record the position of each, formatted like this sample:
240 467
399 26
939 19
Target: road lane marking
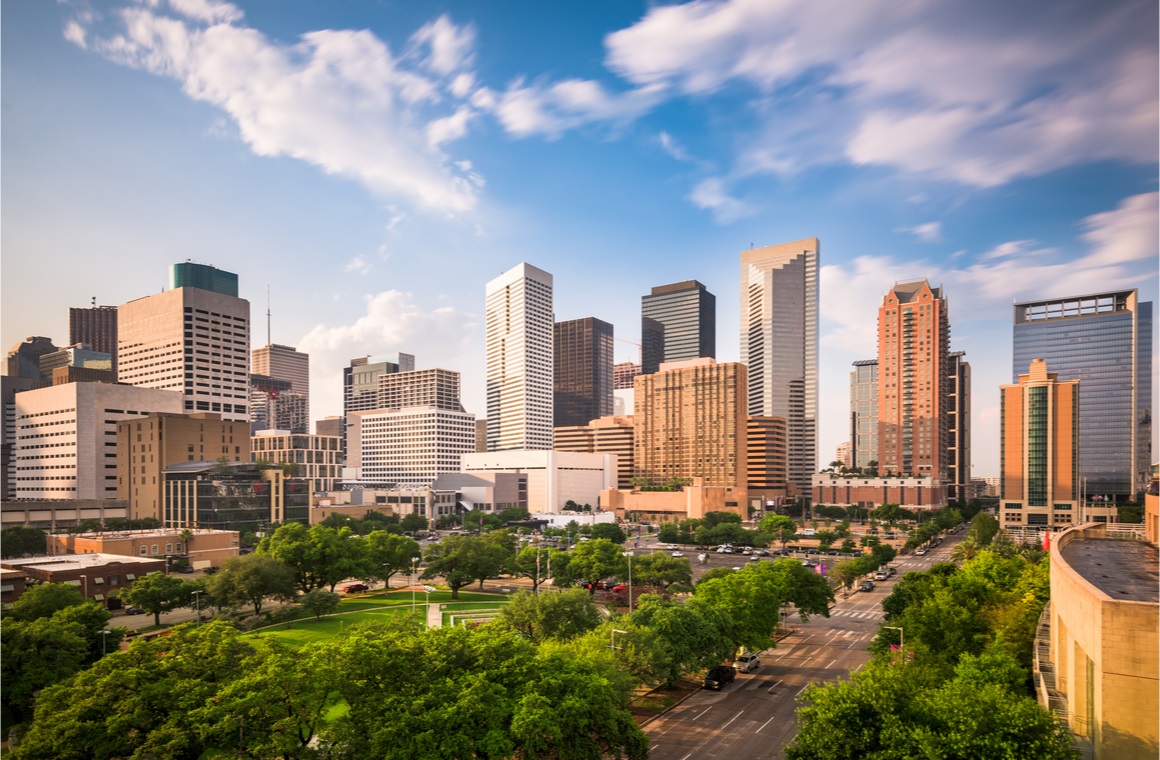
735 717
831 664
686 757
801 690
707 709
766 723
771 688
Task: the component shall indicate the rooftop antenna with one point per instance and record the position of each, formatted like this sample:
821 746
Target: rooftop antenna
269 342
94 302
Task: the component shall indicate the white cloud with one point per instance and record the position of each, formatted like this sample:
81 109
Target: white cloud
337 99
670 145
551 109
359 265
392 322
930 232
1127 233
1012 248
710 194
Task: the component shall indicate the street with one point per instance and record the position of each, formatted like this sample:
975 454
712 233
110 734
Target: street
755 716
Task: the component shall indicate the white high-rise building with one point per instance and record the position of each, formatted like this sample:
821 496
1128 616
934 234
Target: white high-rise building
410 446
519 359
779 345
192 340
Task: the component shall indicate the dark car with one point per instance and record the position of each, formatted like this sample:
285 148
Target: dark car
183 569
355 588
867 586
720 675
134 611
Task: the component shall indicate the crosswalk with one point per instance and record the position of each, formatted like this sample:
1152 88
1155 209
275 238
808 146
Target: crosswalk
863 615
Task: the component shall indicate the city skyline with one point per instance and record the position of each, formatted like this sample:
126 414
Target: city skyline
376 201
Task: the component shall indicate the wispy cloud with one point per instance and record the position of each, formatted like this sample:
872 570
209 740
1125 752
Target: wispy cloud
340 100
358 265
930 232
710 194
1127 233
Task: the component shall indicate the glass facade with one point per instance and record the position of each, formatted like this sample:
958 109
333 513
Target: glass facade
582 383
1104 341
864 412
688 314
202 276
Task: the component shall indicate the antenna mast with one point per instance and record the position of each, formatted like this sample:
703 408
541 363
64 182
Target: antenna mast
269 342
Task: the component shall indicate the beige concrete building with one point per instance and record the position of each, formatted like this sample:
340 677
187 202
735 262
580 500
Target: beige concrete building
284 363
607 435
189 340
146 446
691 422
356 503
65 437
437 388
317 458
908 493
553 477
1152 509
203 548
691 502
1097 649
766 458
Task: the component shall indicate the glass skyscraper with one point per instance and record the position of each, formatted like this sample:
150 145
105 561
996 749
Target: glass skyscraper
678 321
864 412
1104 340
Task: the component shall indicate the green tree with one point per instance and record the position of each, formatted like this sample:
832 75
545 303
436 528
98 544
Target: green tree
459 560
320 556
983 528
596 560
535 563
157 593
251 579
609 531
782 528
22 541
45 599
660 571
35 654
412 522
319 602
686 638
386 554
746 605
561 615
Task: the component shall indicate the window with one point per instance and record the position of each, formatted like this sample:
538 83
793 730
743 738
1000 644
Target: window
154 549
144 550
169 548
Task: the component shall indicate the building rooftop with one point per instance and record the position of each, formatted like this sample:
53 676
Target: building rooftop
1124 570
64 562
145 533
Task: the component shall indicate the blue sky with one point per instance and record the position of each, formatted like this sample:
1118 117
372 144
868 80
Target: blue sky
373 164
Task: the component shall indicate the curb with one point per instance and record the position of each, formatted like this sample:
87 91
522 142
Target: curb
670 707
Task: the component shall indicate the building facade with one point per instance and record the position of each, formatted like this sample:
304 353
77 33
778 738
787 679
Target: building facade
95 327
582 380
437 388
98 577
285 363
766 462
203 548
80 356
690 422
623 375
678 322
317 458
864 412
779 345
23 359
235 496
923 493
409 446
958 427
1105 341
360 383
149 444
913 343
65 437
275 406
607 435
519 325
190 340
553 477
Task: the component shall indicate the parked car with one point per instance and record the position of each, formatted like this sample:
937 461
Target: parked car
755 558
921 552
355 588
134 611
620 587
867 586
763 553
747 662
676 554
720 675
892 570
881 575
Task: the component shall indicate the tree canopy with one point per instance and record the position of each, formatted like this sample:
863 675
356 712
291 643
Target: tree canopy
157 593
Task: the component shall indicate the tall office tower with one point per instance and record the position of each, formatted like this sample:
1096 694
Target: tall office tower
582 384
96 328
779 345
480 435
623 375
842 454
687 317
149 444
1105 341
24 358
418 434
192 340
958 426
913 338
864 412
519 359
766 457
285 363
66 446
607 435
274 406
690 423
1038 449
9 387
360 383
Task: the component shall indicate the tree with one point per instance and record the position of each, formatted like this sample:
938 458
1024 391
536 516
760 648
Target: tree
35 654
983 528
671 533
551 616
459 560
413 522
536 562
609 531
319 602
22 541
320 555
746 605
44 599
686 638
660 571
251 579
386 554
596 560
782 528
157 593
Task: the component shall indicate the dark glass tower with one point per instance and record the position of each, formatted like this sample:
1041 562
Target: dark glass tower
687 315
1104 340
96 327
582 382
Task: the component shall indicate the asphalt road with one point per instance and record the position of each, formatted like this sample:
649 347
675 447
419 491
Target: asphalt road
755 716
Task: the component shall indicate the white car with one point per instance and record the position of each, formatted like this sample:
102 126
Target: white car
676 554
921 552
747 662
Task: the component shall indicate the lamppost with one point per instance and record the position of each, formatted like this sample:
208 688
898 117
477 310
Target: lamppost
85 586
427 590
197 604
414 569
901 636
612 638
629 555
104 641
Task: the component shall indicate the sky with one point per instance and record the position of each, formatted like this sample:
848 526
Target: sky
366 167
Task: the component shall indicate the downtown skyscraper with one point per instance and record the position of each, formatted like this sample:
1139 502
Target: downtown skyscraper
519 325
779 345
1104 340
678 322
583 371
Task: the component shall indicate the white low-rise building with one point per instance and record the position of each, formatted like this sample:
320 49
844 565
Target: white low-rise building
554 477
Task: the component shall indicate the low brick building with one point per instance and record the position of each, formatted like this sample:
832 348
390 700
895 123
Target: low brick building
201 547
908 493
97 576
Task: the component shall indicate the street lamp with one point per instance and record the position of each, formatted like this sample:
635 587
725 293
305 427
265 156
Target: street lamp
427 590
629 555
414 569
197 604
612 638
901 635
104 641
